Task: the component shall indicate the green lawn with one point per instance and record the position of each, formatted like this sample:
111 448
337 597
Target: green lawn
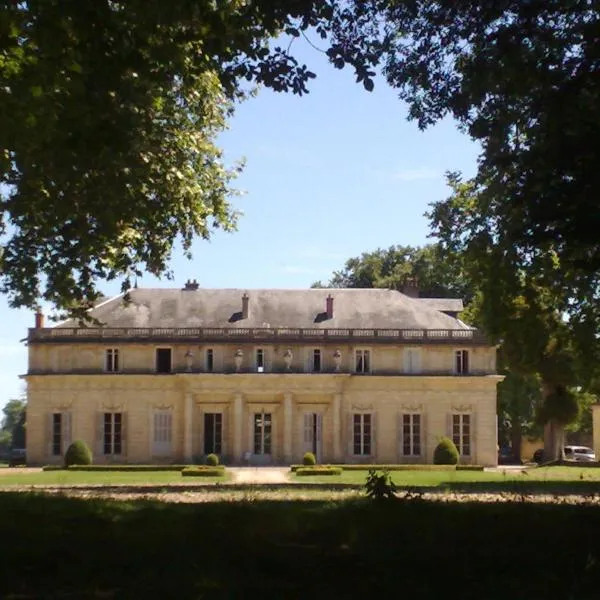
536 478
69 548
103 478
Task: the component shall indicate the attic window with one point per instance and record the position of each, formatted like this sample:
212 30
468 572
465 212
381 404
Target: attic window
260 360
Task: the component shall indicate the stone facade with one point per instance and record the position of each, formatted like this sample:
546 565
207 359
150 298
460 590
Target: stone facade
377 402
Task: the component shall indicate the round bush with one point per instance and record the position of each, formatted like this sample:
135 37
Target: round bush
78 453
212 460
309 459
445 453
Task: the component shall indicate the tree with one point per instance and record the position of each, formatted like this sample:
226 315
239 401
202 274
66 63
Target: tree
393 267
12 430
524 302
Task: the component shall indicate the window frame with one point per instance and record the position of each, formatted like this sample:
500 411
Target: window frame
156 351
260 351
359 438
408 366
115 430
313 354
459 437
217 426
462 366
209 360
411 435
259 429
363 353
57 436
112 360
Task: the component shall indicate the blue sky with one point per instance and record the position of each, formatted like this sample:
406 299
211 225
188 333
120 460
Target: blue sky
328 176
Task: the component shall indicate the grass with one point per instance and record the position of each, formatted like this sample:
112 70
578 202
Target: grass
61 547
537 479
100 478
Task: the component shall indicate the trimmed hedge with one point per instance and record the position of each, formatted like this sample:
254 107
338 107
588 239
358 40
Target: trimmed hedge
119 468
318 470
446 453
203 471
212 460
309 459
367 467
78 453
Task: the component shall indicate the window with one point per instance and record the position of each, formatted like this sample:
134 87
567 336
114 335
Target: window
412 360
163 427
113 429
362 430
461 362
163 360
111 360
60 433
260 360
57 437
316 360
461 433
363 361
213 433
263 426
210 360
411 435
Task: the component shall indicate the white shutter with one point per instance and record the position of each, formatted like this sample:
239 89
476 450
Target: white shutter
100 435
66 431
124 434
350 434
400 435
426 440
374 435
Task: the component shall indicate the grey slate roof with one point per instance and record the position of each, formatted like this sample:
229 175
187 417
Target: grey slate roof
444 304
352 309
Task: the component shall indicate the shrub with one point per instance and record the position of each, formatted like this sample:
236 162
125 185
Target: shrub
203 471
445 452
127 468
78 453
379 486
309 459
311 471
212 460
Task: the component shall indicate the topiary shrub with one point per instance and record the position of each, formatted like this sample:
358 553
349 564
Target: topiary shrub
78 453
445 452
212 460
309 459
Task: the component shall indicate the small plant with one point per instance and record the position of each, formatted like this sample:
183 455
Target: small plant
309 459
445 452
212 460
379 486
78 453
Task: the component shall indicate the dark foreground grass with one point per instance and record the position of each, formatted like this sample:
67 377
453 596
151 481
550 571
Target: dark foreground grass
60 547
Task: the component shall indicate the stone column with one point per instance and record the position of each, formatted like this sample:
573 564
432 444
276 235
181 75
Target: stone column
237 428
337 428
188 428
287 427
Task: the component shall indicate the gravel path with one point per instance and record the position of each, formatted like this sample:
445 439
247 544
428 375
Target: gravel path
259 474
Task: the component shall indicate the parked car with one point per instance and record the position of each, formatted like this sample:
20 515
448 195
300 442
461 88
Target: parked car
572 453
506 456
18 456
579 454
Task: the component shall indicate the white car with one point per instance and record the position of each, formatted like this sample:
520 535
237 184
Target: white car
580 454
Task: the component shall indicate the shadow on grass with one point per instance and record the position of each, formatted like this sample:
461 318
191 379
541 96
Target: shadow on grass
64 547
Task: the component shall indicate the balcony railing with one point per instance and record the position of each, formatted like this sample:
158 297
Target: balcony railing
263 334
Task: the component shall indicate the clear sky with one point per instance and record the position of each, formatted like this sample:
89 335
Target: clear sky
328 176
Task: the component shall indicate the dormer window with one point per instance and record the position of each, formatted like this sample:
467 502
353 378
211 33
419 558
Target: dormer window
111 360
461 362
363 361
260 360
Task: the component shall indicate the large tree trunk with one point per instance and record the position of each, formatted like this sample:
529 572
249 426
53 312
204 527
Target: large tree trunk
554 432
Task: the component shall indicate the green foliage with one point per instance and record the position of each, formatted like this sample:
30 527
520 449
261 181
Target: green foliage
203 471
445 452
560 406
379 485
116 468
78 453
309 459
12 428
317 470
212 460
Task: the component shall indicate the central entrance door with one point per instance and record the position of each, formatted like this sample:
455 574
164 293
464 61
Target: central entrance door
313 426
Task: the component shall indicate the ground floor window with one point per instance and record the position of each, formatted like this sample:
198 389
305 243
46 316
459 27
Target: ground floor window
213 433
163 433
362 433
411 435
113 431
60 433
263 427
461 433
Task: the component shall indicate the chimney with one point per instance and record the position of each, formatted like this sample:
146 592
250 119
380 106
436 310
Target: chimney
191 285
39 319
245 300
329 306
411 287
